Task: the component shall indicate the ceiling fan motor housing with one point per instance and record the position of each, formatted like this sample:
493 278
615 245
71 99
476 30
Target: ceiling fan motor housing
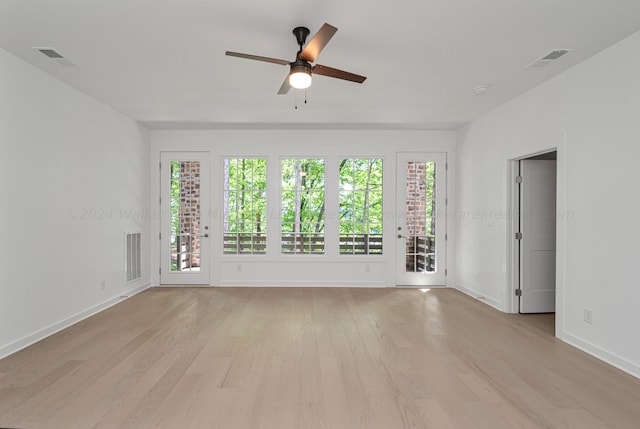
300 66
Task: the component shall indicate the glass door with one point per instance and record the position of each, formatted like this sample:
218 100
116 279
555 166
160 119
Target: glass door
185 230
421 217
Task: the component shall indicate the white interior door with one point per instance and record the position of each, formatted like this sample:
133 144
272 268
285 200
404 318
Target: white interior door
538 242
184 236
421 219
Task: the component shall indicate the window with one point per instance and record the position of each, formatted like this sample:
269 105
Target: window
245 206
360 206
303 206
185 216
420 216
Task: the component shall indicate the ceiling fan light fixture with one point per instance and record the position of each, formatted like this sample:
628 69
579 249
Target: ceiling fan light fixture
300 80
300 76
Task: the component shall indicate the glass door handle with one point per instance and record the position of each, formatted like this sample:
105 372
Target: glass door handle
401 236
204 235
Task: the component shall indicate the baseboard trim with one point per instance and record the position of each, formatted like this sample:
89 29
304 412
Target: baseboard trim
480 297
40 335
231 283
605 356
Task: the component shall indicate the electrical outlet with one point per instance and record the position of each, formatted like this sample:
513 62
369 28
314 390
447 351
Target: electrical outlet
588 316
103 284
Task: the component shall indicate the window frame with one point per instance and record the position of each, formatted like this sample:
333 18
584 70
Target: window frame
306 247
363 243
257 240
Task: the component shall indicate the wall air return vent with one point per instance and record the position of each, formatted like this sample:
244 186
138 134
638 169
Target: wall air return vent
132 262
549 58
56 56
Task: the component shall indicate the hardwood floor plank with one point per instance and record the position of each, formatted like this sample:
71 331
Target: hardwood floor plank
325 358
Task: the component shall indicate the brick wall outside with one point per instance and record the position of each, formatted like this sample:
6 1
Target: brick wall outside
417 224
190 209
416 205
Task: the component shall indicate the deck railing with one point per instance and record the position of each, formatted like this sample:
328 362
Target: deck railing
421 253
256 244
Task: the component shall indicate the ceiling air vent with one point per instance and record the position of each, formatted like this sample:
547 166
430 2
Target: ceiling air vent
56 56
549 58
50 53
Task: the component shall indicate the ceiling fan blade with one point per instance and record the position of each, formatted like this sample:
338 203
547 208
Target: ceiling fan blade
339 74
318 42
286 86
258 58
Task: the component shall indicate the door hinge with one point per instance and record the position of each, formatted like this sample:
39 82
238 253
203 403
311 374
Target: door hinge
518 179
518 292
446 237
446 166
446 201
445 272
159 236
160 270
518 236
160 165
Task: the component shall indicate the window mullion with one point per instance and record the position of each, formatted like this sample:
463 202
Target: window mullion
332 198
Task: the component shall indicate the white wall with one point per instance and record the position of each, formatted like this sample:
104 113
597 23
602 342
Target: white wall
313 270
591 114
72 169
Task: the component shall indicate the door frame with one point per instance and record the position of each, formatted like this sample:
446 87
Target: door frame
441 213
206 250
512 302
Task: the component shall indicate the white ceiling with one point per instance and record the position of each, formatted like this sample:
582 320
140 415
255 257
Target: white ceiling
162 62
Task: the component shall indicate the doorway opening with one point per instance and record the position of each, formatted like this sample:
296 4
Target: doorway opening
532 236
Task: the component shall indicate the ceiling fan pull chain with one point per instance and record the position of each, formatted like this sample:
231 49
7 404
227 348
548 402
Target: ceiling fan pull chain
305 96
295 103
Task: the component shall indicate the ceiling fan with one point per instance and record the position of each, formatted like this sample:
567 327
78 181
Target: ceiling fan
301 69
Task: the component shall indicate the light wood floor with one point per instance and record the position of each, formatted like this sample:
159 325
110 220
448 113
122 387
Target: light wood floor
311 358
